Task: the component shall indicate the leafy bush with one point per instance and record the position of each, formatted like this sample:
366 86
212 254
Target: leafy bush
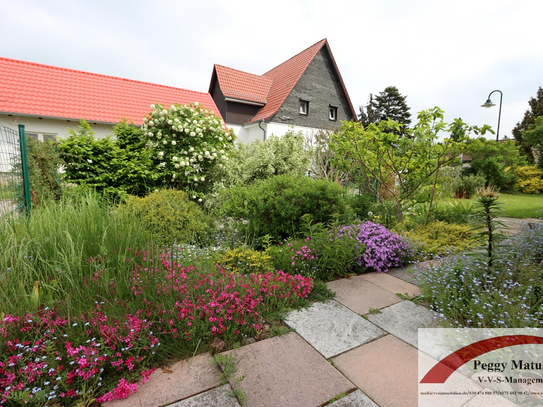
322 256
529 180
244 260
43 164
466 186
259 160
170 216
275 206
439 239
362 205
114 167
378 247
187 142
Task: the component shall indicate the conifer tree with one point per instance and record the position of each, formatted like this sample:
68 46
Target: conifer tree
535 110
389 104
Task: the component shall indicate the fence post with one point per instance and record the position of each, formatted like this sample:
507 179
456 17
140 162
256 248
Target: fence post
24 162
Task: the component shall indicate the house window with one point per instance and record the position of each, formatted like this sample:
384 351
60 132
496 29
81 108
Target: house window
42 136
304 107
332 113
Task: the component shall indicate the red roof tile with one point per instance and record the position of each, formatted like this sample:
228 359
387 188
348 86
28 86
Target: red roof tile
28 88
242 85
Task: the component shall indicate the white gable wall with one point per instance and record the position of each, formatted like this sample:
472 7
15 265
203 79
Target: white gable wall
252 132
55 127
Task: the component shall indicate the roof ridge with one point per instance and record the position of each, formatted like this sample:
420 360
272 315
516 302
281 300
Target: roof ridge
301 52
96 74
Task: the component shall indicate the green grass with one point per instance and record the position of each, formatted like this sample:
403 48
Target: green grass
516 205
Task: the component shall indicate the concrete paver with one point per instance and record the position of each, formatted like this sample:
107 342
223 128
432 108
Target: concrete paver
385 370
404 319
355 399
391 283
187 378
360 295
332 328
220 396
285 371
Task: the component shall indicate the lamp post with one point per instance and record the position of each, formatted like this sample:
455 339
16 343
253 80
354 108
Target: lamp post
489 104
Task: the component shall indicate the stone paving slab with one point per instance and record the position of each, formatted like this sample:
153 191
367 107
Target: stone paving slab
391 283
187 378
355 399
284 371
403 273
360 295
332 328
219 397
403 320
385 370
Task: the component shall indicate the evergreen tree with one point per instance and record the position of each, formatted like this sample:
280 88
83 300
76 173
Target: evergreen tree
535 110
390 104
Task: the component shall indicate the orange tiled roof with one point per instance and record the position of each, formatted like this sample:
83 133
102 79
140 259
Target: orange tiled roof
285 77
28 88
242 85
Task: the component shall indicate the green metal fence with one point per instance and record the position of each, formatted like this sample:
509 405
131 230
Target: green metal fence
14 184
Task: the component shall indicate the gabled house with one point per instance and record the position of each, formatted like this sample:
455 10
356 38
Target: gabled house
306 92
48 99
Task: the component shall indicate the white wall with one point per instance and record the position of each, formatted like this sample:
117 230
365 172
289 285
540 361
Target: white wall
56 127
247 134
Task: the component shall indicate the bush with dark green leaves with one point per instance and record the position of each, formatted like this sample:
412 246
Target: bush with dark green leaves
275 206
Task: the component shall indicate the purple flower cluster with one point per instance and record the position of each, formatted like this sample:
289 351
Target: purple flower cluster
380 248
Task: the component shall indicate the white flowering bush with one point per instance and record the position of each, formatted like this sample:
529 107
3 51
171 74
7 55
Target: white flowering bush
189 142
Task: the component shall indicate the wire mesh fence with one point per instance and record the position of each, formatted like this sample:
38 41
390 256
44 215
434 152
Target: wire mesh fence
14 191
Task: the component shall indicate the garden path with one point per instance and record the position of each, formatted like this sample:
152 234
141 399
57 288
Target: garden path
361 345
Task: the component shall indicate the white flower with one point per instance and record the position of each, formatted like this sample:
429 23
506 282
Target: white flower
152 107
203 179
200 200
151 123
214 154
200 135
162 118
173 143
220 138
174 158
182 163
196 103
200 158
150 134
164 112
192 133
195 179
186 130
176 120
170 122
222 151
194 122
174 175
206 153
165 142
176 165
161 153
193 196
191 149
172 108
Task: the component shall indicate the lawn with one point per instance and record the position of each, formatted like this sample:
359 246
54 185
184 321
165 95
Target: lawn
516 205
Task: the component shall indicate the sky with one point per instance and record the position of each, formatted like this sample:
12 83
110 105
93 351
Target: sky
450 54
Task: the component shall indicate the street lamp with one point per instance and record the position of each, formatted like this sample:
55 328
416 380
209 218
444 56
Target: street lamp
489 103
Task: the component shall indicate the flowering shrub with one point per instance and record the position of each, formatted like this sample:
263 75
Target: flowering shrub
188 141
380 248
56 357
245 261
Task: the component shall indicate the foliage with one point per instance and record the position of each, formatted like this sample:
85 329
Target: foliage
244 260
529 119
529 180
170 216
496 161
43 165
114 167
379 248
79 297
534 137
411 162
275 206
259 160
322 158
390 104
466 186
322 255
437 239
187 141
363 205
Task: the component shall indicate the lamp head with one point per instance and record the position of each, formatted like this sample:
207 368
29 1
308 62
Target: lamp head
488 103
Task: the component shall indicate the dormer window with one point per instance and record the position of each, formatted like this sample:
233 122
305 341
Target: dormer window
332 113
304 107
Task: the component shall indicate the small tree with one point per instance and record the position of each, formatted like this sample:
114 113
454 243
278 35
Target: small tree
188 141
534 137
404 166
322 158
